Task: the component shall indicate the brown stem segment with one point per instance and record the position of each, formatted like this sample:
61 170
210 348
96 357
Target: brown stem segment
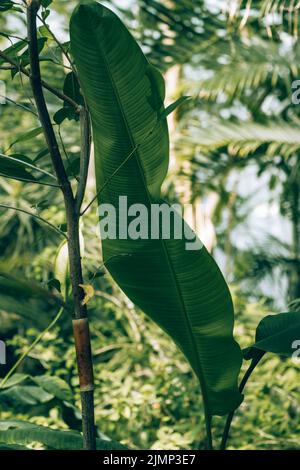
81 326
84 355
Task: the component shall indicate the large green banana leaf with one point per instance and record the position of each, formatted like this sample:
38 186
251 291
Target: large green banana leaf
182 290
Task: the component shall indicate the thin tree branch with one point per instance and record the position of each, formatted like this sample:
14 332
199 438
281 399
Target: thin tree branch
24 180
5 206
85 127
46 85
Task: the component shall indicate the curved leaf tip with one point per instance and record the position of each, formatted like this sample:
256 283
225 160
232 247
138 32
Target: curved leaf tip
90 12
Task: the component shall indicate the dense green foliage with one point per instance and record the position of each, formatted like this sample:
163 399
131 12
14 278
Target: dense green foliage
240 118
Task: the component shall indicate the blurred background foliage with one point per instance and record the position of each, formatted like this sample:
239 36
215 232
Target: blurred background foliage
234 158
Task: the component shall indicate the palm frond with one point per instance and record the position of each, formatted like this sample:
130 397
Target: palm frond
270 13
172 31
247 68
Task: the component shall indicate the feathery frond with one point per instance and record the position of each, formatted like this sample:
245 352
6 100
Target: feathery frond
245 138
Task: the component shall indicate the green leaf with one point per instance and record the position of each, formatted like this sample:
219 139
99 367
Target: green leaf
41 155
25 395
24 58
61 267
61 263
182 290
34 390
64 227
44 31
62 114
12 447
14 423
73 168
169 109
14 167
18 432
55 386
20 166
46 3
244 138
96 275
277 334
27 136
45 14
15 380
72 90
54 284
12 51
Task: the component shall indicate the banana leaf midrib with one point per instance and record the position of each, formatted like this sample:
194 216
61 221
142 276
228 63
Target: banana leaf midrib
163 244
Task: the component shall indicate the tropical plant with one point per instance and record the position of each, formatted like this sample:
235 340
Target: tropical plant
118 98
